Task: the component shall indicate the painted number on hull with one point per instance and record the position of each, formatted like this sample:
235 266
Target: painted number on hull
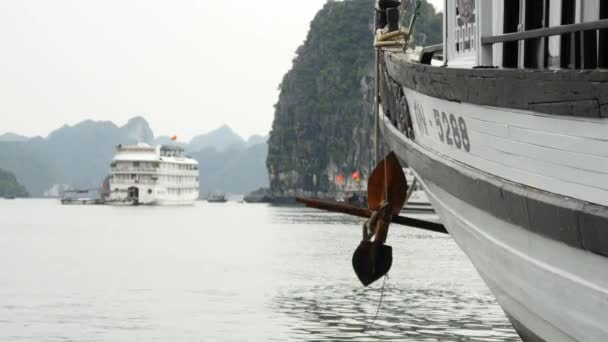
420 119
455 133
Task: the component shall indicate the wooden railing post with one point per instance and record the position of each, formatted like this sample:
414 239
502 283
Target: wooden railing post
484 27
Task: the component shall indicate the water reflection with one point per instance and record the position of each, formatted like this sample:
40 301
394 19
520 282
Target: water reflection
229 272
340 312
435 294
302 215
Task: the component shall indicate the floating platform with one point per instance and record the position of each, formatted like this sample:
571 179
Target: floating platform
82 201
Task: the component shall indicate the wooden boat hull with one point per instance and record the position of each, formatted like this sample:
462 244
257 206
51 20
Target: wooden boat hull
540 282
524 196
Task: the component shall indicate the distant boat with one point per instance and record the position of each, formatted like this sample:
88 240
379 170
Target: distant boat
355 198
418 203
153 175
82 197
217 198
9 197
81 201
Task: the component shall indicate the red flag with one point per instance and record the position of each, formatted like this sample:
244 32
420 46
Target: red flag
174 138
356 176
340 179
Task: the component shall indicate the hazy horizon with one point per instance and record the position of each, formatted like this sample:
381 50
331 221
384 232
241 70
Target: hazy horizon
203 131
187 67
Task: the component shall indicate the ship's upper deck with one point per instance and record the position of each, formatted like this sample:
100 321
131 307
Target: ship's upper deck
146 153
525 34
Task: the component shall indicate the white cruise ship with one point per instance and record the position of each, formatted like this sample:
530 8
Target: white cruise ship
153 175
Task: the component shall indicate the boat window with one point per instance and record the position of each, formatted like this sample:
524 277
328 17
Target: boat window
465 26
510 50
602 55
135 164
588 39
589 49
567 40
535 18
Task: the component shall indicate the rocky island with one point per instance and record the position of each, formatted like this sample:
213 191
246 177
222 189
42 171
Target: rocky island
9 187
323 123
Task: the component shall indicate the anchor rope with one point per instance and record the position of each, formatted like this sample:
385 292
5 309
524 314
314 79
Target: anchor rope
386 275
385 182
379 147
371 324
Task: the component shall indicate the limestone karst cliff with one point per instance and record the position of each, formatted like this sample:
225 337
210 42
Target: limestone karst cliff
323 120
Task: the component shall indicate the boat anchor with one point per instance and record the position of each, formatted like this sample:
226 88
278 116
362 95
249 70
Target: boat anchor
386 195
373 259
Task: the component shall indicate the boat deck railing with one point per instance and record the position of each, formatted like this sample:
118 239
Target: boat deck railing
135 169
546 32
586 42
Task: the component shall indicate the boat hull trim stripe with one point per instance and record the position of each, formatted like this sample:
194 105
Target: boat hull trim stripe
564 92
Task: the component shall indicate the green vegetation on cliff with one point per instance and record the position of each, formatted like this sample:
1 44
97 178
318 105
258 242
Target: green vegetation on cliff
9 187
429 24
323 120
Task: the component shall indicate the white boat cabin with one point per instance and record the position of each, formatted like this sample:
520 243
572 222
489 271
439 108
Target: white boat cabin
526 34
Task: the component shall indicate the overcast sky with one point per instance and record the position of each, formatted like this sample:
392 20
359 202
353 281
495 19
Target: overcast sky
187 66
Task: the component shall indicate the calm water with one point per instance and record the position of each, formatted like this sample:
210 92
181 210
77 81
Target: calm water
226 272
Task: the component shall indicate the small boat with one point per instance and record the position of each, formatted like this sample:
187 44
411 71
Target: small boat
82 201
82 197
358 199
217 198
418 203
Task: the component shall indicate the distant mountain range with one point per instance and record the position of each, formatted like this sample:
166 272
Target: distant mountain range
79 156
12 137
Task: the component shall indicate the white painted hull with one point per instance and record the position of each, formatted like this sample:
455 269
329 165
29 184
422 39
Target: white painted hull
154 203
150 195
561 154
514 160
157 200
556 291
552 289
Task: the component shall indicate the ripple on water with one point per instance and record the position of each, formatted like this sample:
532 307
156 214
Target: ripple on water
341 312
